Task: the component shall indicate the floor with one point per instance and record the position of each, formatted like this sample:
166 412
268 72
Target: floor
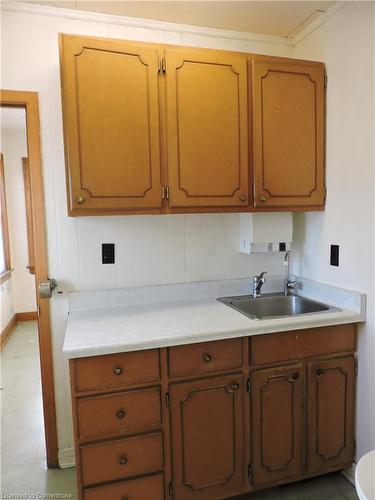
23 465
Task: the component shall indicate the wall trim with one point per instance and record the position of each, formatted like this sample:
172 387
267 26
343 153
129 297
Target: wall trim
46 10
27 316
349 473
330 12
67 458
8 330
11 326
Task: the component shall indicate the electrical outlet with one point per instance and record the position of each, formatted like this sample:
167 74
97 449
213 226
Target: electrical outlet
108 253
334 260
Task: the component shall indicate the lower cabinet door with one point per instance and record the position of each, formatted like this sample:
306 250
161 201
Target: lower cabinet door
207 437
277 423
330 425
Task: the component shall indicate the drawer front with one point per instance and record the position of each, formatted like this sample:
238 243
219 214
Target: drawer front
121 459
116 370
132 411
205 357
285 346
147 488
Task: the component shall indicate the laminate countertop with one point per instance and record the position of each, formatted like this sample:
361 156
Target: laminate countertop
138 327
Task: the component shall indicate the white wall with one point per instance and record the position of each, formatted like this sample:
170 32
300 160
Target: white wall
150 249
14 148
346 44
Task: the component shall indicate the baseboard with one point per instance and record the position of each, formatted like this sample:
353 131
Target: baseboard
11 326
67 458
349 473
27 316
8 330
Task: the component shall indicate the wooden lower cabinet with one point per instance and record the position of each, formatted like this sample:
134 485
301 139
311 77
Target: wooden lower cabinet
214 420
330 413
207 437
277 423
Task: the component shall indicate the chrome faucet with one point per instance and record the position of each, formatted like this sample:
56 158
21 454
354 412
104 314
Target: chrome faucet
258 282
288 283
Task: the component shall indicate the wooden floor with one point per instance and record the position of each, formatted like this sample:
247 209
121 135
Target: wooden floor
22 452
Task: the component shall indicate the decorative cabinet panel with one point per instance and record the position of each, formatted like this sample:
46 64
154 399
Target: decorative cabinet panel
277 423
331 398
207 134
288 128
160 129
207 437
111 119
212 420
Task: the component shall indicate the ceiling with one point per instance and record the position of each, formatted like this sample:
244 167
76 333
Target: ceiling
279 18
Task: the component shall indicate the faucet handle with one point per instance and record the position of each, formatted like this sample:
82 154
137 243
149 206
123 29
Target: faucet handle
261 275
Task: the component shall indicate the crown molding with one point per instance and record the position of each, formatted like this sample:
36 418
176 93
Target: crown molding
330 12
46 10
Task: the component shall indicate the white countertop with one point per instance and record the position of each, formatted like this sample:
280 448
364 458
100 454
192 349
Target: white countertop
139 327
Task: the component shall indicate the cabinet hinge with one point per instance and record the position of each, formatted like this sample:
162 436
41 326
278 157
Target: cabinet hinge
325 80
167 192
164 65
248 385
356 365
170 489
38 311
250 473
167 400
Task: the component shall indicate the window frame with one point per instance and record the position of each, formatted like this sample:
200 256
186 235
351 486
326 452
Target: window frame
6 274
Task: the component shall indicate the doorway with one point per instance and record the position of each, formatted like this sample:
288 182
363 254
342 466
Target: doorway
20 110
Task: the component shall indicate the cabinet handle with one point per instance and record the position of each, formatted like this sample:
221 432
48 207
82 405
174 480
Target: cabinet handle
319 371
207 358
243 197
118 370
263 198
80 200
120 414
123 461
232 388
295 376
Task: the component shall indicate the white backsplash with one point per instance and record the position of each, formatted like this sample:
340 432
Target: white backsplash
162 249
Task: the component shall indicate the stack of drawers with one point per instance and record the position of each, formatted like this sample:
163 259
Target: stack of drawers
118 425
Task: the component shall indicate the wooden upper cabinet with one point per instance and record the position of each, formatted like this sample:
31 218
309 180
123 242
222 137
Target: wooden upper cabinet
207 128
288 133
330 420
277 423
207 437
111 119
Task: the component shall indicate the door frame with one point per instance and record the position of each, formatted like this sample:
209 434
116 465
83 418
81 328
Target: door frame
29 102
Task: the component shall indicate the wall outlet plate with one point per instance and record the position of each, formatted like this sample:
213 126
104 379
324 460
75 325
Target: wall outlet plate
334 258
108 253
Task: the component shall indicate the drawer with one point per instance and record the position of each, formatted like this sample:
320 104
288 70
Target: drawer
205 357
114 370
121 459
147 488
285 346
131 411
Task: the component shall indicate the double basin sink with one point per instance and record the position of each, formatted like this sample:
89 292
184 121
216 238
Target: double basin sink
272 306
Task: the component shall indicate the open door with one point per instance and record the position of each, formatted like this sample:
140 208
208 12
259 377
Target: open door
29 102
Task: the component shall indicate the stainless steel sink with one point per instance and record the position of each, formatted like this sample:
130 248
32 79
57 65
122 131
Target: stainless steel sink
271 306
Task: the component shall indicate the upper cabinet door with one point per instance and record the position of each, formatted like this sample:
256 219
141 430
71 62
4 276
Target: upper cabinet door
288 120
110 101
207 131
